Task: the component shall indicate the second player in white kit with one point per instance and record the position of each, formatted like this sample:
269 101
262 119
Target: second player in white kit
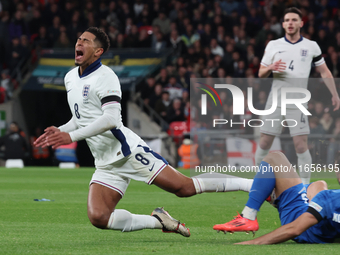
298 57
289 59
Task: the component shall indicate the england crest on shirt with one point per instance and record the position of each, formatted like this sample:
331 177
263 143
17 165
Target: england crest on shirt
86 91
304 52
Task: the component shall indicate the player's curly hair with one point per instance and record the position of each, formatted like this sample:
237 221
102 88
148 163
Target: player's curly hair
293 10
101 37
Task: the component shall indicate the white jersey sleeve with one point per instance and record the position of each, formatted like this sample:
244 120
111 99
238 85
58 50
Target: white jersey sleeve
267 58
317 55
110 119
109 91
69 126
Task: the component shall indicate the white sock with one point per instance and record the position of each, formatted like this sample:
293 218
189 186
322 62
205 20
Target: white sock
259 155
125 221
214 182
304 159
249 213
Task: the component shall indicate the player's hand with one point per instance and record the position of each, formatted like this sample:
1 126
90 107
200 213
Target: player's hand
336 102
58 138
278 66
41 141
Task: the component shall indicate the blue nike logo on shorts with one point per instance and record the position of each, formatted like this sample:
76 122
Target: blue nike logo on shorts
152 167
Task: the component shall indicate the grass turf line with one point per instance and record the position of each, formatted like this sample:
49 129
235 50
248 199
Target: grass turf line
62 226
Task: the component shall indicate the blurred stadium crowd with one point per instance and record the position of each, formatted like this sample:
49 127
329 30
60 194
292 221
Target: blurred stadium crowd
218 39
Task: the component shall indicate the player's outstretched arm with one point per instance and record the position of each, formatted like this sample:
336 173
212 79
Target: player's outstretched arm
278 66
286 232
329 81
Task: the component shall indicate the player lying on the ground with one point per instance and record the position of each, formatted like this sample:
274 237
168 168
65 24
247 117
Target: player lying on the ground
309 213
94 96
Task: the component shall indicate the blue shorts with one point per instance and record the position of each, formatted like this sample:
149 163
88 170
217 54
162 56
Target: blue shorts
292 203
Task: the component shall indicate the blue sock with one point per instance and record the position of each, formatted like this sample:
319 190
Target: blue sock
263 185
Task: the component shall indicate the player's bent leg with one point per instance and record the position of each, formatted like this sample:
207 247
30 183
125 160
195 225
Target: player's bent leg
315 187
285 174
169 179
263 185
274 172
102 214
173 181
101 203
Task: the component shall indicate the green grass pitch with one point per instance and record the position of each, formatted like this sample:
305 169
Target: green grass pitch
62 226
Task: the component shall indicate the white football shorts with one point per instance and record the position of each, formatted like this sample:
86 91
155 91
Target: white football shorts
296 121
143 164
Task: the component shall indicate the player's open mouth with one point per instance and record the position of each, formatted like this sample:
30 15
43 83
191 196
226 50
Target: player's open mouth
79 54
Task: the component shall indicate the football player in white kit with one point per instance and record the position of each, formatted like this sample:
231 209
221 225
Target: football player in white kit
94 94
289 59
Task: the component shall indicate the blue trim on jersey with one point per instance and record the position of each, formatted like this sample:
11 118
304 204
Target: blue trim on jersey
301 38
91 68
122 139
156 155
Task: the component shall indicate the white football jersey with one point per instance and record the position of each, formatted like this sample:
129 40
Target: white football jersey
87 96
298 58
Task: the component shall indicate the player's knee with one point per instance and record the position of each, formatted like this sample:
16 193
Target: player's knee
300 148
273 157
300 145
182 193
99 219
266 141
186 190
264 145
321 185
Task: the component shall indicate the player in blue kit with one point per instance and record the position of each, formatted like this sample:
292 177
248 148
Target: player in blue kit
94 95
308 213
